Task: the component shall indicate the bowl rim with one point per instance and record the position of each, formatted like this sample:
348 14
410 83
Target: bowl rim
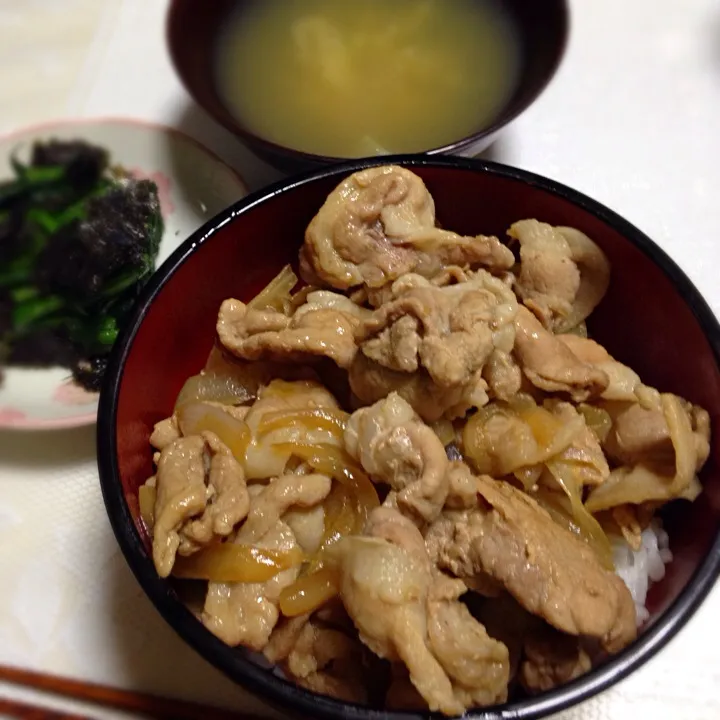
234 125
257 679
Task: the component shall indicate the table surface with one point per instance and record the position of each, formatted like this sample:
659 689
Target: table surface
631 119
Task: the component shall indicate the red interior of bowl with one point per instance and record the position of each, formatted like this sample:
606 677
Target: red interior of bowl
643 321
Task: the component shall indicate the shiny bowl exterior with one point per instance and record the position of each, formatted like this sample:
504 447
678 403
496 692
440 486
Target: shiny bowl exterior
652 318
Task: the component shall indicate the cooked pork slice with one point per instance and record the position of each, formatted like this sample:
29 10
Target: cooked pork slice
201 494
164 433
407 612
379 224
430 343
395 447
312 331
246 613
622 380
551 658
549 571
550 365
549 280
563 273
328 661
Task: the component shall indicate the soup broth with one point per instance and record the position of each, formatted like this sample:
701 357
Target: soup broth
349 78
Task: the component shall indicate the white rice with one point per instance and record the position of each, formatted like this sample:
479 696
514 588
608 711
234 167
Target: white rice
639 569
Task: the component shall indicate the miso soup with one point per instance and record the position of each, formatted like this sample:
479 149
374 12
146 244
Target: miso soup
349 78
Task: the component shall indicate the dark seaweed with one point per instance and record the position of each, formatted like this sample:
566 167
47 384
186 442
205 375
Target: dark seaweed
41 348
89 372
76 246
112 248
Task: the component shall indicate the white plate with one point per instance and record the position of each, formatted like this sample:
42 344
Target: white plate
194 185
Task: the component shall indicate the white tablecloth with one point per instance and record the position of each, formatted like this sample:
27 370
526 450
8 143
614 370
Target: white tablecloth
631 119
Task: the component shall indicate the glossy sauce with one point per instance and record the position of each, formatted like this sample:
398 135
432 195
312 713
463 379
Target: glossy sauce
350 78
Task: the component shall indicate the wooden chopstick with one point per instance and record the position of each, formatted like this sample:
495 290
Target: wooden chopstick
23 711
144 703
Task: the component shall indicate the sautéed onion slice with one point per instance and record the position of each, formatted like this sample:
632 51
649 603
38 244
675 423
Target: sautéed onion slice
229 563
